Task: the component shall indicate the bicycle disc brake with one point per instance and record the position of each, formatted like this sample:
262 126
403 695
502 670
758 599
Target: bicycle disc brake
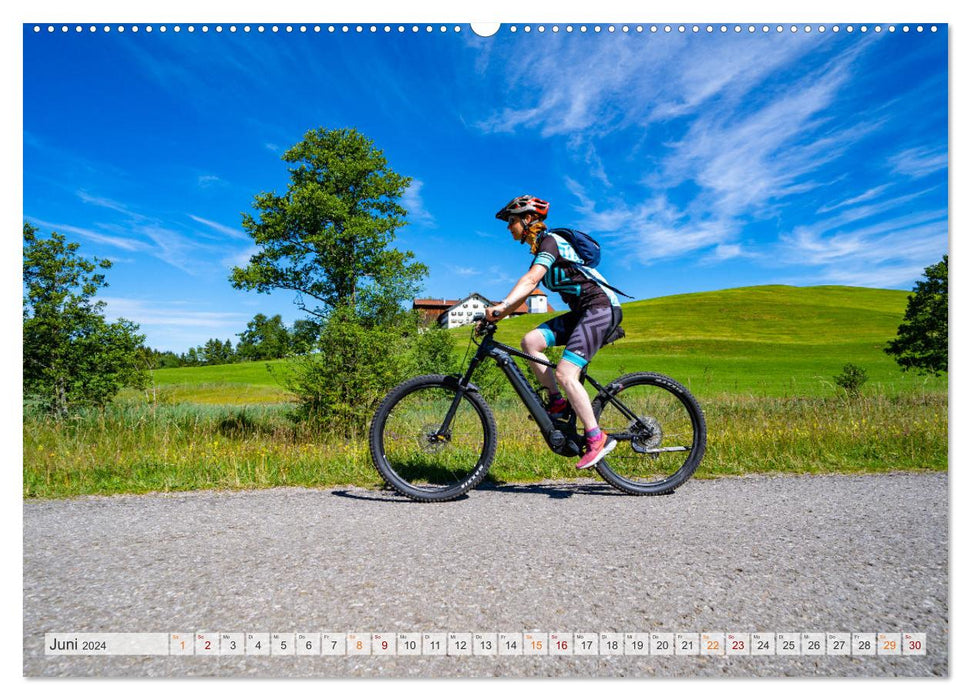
431 441
647 435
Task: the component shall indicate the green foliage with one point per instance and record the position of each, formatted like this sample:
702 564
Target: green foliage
303 336
329 237
72 356
921 341
851 379
264 339
357 364
432 351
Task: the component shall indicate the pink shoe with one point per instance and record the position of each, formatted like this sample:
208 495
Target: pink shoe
597 449
556 409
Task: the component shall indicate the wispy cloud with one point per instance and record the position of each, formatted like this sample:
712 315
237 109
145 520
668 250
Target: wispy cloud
106 203
139 233
919 162
176 325
207 181
221 228
124 243
888 252
870 194
170 313
413 203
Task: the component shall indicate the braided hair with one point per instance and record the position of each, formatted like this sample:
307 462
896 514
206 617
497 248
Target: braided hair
532 234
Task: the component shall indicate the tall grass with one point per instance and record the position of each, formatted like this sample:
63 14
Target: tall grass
134 447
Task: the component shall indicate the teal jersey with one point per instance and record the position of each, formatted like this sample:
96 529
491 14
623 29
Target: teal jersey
579 286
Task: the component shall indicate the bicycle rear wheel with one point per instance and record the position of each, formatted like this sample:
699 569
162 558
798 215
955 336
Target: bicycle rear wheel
422 453
661 437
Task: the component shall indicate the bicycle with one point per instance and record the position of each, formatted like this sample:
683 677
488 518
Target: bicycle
433 437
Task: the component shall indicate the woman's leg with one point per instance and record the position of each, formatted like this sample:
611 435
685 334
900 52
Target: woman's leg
568 375
534 343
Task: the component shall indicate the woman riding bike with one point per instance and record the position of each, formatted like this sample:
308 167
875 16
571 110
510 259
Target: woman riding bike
594 315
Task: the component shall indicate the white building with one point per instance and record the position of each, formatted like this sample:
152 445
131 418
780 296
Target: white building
463 311
450 313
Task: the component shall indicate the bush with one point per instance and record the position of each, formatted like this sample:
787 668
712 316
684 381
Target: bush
851 379
355 367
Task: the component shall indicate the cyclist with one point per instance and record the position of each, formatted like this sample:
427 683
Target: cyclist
594 314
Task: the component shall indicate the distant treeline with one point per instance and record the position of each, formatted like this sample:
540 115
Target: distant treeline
265 338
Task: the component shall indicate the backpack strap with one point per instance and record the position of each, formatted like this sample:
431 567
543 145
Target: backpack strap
585 271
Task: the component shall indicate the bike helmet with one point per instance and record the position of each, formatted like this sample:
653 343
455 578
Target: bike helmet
524 205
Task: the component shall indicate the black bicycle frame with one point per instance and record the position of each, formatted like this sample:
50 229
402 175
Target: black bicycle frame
561 436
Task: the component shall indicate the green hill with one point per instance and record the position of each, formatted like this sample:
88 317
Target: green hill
765 340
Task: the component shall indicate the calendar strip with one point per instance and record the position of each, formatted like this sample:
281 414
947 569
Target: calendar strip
458 644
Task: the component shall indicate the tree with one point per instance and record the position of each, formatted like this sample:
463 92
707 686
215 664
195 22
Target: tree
264 339
303 337
921 341
341 385
329 237
217 352
72 356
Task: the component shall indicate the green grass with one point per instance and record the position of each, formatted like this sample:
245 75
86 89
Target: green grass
762 341
138 448
760 359
237 384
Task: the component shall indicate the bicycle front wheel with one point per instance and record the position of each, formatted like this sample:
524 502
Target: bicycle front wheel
660 431
432 442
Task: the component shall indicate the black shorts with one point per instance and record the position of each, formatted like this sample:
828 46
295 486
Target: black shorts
582 332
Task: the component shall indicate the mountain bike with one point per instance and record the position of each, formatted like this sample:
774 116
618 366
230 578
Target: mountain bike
433 438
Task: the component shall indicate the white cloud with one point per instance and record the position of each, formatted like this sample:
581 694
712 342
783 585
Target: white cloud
206 181
411 200
107 204
239 258
124 243
169 313
221 228
886 253
919 162
864 197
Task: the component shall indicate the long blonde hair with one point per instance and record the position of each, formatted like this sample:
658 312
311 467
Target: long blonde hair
531 235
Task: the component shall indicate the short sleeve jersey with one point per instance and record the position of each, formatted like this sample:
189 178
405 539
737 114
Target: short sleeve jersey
579 291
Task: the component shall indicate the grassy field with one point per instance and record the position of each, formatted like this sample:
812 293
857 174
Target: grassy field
760 359
753 341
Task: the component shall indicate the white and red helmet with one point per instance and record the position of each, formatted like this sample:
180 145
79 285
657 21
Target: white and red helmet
524 204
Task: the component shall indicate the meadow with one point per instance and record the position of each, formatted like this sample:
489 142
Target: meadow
761 360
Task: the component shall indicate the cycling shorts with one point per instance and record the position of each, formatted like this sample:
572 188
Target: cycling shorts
582 332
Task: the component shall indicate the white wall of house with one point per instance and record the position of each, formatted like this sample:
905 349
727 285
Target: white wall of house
462 313
536 304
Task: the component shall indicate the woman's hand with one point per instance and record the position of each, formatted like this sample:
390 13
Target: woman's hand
494 313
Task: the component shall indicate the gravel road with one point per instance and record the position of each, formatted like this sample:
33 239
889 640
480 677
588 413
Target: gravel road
752 554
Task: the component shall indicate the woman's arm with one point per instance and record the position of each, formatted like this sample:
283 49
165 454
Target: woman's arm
524 287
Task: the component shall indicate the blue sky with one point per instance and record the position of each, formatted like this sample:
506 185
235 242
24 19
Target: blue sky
702 160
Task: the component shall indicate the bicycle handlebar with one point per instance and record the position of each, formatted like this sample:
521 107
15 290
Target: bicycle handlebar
482 326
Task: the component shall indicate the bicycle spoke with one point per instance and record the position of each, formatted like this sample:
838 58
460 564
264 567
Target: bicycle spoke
661 445
432 445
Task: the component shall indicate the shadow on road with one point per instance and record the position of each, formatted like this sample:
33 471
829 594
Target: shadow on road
564 490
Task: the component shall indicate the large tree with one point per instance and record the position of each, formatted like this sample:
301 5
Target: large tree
329 238
264 339
921 341
72 355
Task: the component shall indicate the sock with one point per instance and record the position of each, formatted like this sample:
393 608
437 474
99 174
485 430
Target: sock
592 434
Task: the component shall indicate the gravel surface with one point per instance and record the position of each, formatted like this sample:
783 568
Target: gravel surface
752 554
